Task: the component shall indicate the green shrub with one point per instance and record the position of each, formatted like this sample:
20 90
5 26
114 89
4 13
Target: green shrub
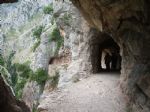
4 72
14 75
20 74
20 77
56 36
40 76
48 9
24 74
59 44
67 19
7 68
2 62
19 87
9 61
23 70
37 32
36 45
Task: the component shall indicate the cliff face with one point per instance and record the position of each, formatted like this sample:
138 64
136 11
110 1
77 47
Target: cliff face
76 38
19 23
128 24
20 27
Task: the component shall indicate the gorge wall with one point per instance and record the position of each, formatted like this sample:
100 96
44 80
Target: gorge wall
18 42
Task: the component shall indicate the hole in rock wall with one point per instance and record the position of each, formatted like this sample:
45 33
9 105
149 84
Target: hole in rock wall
63 60
105 54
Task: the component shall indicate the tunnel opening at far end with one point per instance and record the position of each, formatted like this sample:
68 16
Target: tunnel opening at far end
105 54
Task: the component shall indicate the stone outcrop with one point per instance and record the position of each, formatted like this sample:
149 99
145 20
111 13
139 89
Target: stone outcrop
76 37
128 24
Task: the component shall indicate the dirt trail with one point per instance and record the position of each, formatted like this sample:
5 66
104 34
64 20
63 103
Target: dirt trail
98 93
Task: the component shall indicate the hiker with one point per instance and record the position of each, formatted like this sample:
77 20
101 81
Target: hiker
107 61
114 59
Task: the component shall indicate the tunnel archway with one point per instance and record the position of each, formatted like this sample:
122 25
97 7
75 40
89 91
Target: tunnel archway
105 54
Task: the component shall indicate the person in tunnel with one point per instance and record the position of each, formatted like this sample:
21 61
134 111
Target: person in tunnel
119 62
107 61
114 59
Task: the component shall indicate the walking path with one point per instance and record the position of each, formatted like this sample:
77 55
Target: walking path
98 93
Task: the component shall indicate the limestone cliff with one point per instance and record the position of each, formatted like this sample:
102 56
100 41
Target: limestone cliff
21 42
18 37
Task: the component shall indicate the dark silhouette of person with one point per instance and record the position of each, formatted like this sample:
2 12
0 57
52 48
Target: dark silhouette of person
119 62
114 59
107 61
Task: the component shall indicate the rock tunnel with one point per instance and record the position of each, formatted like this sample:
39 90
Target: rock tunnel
128 24
101 45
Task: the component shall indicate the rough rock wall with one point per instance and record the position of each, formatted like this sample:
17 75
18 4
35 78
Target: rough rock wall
18 20
16 14
128 23
8 103
76 37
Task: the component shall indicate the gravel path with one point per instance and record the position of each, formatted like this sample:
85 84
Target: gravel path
98 93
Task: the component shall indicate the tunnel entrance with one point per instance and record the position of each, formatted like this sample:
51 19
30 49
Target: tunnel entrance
105 54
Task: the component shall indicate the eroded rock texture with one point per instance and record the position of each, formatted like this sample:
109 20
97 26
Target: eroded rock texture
76 33
8 103
128 23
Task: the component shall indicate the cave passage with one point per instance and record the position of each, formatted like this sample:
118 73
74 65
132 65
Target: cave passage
105 55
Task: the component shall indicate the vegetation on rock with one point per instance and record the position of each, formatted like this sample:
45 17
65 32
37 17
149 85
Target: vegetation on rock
2 60
67 19
48 9
40 76
56 37
21 77
37 34
36 45
4 72
17 75
25 74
